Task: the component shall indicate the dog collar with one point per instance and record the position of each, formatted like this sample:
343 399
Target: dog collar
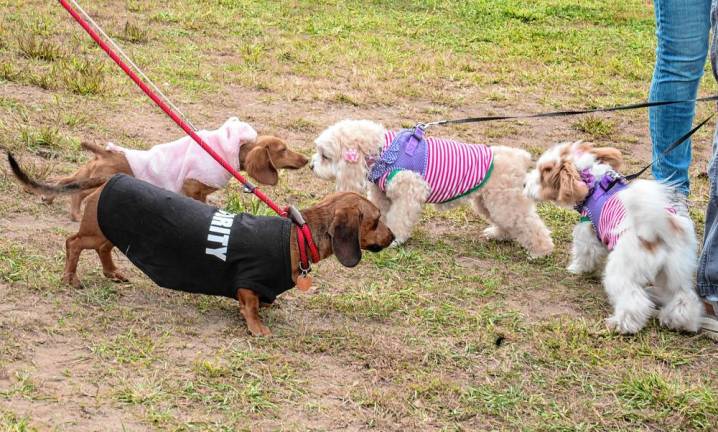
304 241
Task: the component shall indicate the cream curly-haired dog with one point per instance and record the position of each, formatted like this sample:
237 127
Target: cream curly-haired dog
403 170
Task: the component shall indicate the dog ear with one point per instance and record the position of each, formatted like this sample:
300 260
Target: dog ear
344 232
580 147
571 189
609 155
280 154
259 165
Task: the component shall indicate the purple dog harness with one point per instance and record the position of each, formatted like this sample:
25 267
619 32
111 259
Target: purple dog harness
602 206
452 169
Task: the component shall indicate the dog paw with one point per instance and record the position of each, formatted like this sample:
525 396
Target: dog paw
680 318
116 276
624 324
259 329
577 269
495 233
541 252
72 279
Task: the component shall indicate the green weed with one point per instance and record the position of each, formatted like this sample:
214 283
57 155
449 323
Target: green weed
596 127
135 33
37 47
83 77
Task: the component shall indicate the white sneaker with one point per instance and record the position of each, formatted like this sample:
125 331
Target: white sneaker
709 322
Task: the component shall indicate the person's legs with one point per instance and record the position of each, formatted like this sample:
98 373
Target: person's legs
708 264
682 28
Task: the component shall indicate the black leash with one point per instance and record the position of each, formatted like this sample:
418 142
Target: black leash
567 113
670 148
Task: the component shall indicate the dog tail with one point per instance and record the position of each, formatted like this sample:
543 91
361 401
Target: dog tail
655 217
52 190
94 148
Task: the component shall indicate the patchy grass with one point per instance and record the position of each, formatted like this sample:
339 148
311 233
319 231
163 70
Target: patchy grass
135 33
448 332
36 47
595 127
83 77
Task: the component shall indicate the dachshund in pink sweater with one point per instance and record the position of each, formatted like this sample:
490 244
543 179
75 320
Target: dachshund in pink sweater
182 166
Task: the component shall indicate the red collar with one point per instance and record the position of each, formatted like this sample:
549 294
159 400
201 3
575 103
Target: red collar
304 239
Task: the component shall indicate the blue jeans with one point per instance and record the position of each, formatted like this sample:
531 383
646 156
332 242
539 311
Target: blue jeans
708 263
682 28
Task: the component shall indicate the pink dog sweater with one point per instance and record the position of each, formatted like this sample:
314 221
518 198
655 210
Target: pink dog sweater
169 165
451 168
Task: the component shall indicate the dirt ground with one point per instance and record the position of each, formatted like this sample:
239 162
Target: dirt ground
449 332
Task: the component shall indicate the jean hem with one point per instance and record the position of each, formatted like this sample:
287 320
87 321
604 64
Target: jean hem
704 290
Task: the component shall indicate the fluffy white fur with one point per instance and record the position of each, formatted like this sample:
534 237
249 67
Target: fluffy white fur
501 201
651 266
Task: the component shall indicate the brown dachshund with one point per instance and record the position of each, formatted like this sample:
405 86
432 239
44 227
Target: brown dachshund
186 245
260 159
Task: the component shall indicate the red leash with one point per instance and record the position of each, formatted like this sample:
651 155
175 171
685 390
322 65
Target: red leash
301 226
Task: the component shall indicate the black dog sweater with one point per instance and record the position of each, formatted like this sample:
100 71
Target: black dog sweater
189 246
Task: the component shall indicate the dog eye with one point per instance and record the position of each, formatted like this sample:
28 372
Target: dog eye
324 156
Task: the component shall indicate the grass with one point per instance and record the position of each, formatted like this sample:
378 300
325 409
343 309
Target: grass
135 33
595 127
35 47
448 332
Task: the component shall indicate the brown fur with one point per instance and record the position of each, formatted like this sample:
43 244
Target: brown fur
343 223
562 183
261 160
609 155
650 246
675 226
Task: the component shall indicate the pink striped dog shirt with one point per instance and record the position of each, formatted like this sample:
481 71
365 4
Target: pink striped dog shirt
612 215
452 169
603 207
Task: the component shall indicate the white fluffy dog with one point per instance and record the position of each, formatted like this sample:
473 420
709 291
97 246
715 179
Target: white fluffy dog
437 171
642 227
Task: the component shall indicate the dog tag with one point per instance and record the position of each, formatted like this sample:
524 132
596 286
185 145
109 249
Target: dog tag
304 282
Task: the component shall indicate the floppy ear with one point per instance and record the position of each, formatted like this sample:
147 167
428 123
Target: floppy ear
351 177
259 165
609 155
580 147
282 156
344 232
571 189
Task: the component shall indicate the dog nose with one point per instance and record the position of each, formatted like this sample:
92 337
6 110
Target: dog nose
311 164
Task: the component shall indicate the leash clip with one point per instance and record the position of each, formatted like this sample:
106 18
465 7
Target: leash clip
425 126
295 216
248 187
304 271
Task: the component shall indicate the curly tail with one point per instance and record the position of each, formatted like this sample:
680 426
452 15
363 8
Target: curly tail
52 190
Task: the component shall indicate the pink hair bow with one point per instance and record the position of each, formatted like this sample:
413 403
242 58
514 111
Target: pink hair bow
351 155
